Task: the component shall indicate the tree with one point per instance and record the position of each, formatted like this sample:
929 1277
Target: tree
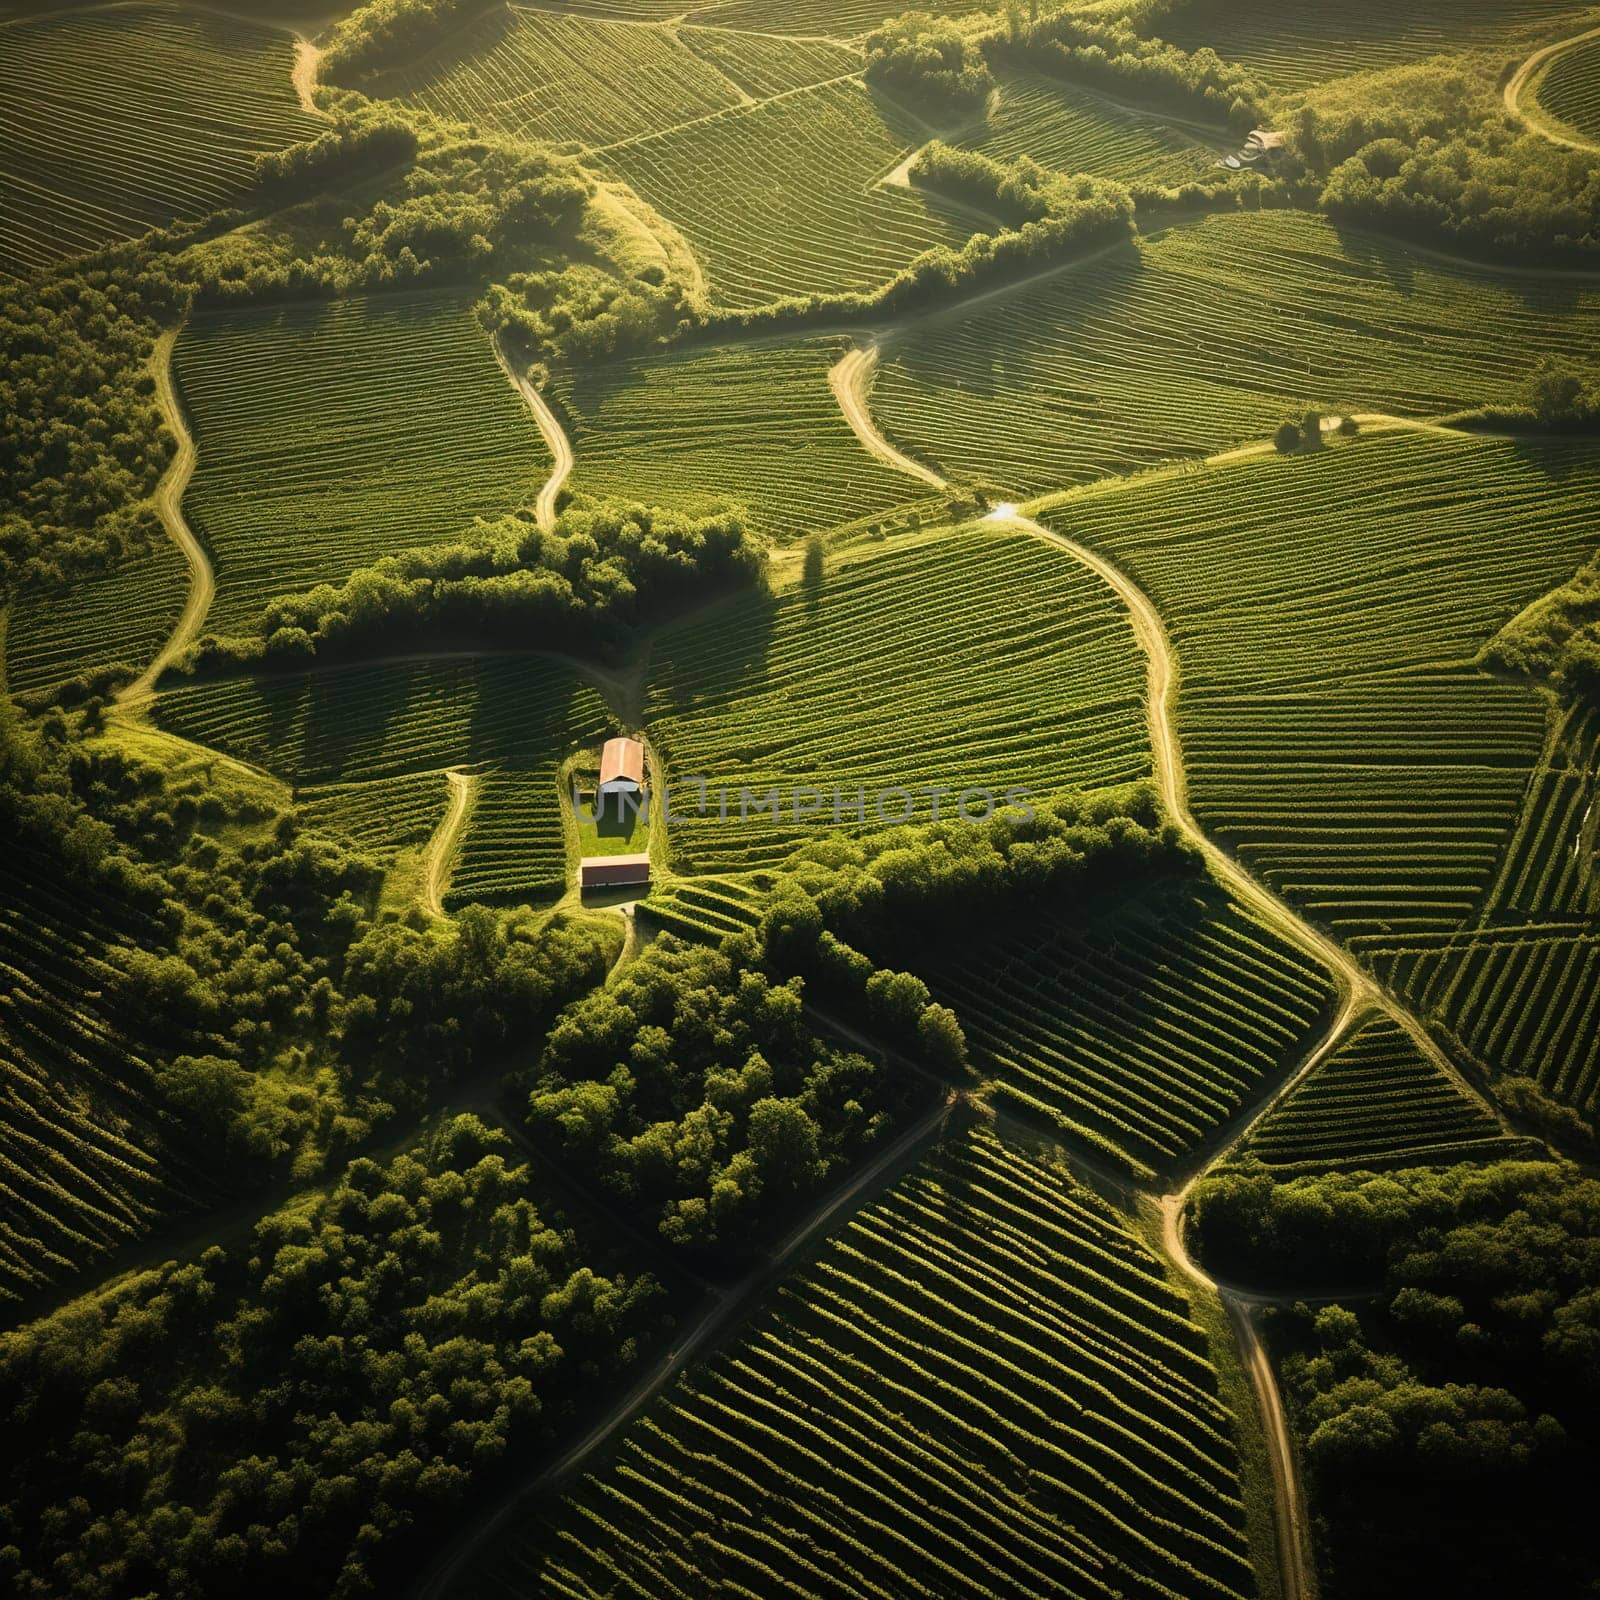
1287 438
1561 394
784 1144
943 1042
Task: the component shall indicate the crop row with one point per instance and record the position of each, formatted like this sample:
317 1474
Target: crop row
1551 867
1523 1000
380 816
977 658
753 426
1375 1102
1205 336
335 433
983 1386
705 908
119 120
513 848
763 64
779 198
1143 1031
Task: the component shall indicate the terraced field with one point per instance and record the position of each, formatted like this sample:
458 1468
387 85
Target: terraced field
85 1163
982 1386
1141 1032
1206 335
1293 47
333 433
124 615
1065 126
752 424
1327 611
882 678
365 729
780 198
1377 1102
540 75
115 121
1569 88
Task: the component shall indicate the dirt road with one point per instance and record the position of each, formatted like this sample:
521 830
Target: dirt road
168 504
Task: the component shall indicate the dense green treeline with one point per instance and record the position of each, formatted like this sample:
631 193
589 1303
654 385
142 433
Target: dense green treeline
304 1412
284 1017
695 1089
1463 1397
81 441
605 570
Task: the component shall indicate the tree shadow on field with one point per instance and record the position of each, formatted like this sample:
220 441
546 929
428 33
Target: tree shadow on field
717 656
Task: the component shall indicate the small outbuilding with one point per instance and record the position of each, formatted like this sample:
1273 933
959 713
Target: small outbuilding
621 767
611 872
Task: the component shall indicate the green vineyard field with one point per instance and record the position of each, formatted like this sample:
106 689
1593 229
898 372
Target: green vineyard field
85 1163
363 729
1070 128
757 426
780 198
537 75
1377 1102
119 119
120 616
1327 611
1205 336
332 434
1293 47
881 678
982 1386
1143 1031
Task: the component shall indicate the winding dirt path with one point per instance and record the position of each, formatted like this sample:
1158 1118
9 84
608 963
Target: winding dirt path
307 57
168 504
724 1309
1358 995
442 846
555 439
1525 107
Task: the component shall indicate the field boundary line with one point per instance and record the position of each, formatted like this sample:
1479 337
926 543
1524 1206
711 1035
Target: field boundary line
167 502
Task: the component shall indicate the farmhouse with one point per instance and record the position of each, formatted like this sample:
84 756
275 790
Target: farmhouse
621 767
1264 144
607 872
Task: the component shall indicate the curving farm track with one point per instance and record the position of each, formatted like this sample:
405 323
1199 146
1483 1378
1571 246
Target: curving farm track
1358 994
1524 105
168 503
